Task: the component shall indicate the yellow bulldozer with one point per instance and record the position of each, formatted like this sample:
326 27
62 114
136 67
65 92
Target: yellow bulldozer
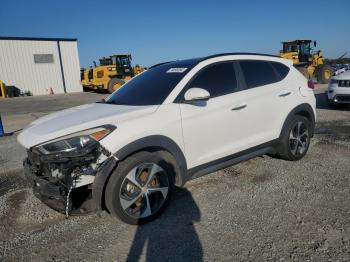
308 62
111 73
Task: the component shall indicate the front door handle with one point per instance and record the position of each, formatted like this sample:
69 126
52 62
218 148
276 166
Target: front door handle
285 94
239 107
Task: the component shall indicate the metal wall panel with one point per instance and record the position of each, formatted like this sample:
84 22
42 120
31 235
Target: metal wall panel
18 68
71 66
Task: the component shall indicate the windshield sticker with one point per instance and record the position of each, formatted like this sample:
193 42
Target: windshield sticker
176 70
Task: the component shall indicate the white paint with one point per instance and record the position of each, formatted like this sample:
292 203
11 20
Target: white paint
17 67
79 118
204 133
195 93
334 89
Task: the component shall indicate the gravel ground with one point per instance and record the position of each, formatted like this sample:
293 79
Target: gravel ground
262 209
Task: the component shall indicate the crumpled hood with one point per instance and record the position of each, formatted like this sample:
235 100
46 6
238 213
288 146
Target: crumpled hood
78 118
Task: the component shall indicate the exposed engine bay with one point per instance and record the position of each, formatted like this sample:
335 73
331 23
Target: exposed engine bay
63 180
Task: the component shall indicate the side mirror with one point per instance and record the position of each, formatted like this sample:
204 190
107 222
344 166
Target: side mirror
197 94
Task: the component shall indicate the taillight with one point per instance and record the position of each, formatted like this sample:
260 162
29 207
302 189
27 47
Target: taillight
311 84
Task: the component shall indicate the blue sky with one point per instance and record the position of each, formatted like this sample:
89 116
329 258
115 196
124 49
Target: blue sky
156 31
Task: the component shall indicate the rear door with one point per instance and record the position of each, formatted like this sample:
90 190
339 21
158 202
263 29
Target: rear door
265 96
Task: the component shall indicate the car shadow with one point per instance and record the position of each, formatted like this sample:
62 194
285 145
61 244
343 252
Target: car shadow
173 235
323 103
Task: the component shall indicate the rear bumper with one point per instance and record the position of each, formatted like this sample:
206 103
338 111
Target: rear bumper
341 99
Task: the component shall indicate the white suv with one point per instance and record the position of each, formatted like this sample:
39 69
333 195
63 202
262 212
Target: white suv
339 89
174 122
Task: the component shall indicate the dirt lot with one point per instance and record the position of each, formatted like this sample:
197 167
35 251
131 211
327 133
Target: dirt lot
262 209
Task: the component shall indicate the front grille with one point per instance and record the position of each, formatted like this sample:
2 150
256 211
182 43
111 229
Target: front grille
344 83
342 98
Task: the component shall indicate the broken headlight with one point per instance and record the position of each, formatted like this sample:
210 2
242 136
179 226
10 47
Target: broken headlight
76 141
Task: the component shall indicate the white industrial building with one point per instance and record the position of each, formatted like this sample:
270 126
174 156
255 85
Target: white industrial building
40 64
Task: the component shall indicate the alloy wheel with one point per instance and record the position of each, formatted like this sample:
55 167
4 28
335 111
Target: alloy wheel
144 190
299 138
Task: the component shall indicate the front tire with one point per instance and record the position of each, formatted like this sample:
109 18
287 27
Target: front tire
140 188
295 139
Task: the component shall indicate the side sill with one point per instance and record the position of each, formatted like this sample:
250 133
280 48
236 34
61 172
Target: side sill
231 160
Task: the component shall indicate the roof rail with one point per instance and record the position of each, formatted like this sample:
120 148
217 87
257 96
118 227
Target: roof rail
225 54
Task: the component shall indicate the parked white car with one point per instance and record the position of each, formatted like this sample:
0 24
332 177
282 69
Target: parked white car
339 89
172 123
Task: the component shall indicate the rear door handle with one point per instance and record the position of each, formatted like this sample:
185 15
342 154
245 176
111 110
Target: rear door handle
239 107
285 94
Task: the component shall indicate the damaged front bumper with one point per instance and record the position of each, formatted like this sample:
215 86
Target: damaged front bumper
85 174
52 193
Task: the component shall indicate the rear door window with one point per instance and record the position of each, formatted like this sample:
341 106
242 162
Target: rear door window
258 73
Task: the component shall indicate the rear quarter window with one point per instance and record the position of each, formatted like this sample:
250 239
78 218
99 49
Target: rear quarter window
281 70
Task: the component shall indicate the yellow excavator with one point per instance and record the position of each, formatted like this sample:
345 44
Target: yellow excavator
111 73
308 62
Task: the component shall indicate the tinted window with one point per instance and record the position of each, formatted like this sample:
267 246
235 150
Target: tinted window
258 73
218 79
280 69
152 86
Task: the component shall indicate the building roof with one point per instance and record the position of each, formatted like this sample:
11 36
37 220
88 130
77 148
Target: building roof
37 38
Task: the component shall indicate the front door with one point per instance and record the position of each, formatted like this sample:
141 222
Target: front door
210 127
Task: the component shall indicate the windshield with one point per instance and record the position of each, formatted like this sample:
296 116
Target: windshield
152 86
121 61
305 49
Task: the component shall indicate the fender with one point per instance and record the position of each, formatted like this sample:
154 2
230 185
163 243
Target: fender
304 110
100 182
153 143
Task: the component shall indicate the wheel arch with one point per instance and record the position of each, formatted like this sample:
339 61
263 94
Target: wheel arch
157 143
151 144
301 110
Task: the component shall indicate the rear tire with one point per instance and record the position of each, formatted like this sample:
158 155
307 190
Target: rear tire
295 139
140 188
112 83
324 74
